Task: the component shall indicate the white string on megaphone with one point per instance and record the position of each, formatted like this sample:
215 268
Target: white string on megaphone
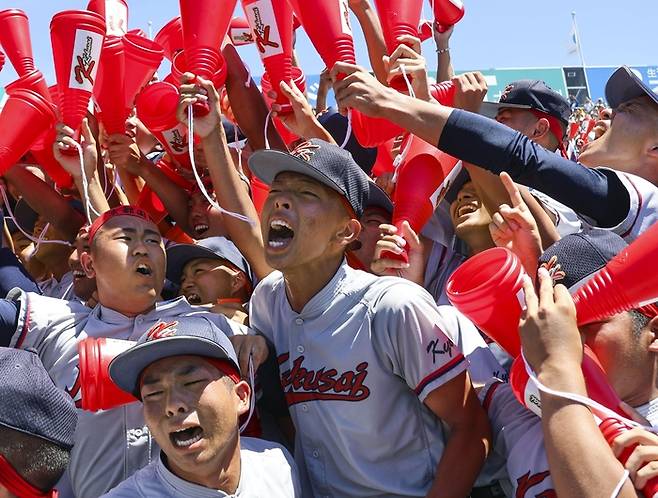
399 159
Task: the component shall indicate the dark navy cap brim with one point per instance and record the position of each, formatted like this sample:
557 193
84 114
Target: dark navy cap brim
624 85
180 254
490 109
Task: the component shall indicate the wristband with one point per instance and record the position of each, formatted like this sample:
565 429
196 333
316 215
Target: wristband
442 50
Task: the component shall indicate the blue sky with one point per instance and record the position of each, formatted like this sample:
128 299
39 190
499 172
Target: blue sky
494 33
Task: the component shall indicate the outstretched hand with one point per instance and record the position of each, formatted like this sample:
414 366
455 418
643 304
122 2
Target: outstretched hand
359 90
392 241
407 56
65 143
199 90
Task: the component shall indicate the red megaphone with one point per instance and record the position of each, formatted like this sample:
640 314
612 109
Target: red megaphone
259 193
143 58
384 162
596 382
239 32
623 283
151 203
327 25
398 18
271 25
443 92
447 13
98 390
25 116
32 80
488 290
77 39
179 67
423 179
110 86
170 38
300 82
115 13
15 40
425 30
156 108
2 60
205 23
611 428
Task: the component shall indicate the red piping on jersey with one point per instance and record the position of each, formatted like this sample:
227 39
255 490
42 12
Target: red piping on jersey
639 208
439 372
26 325
492 389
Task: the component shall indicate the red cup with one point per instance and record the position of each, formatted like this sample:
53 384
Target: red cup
327 25
156 108
179 67
110 86
151 203
384 162
596 382
32 80
137 32
372 132
239 32
98 390
611 428
170 38
398 18
15 40
300 82
447 13
205 24
25 116
443 92
115 13
488 290
143 58
271 25
423 179
2 60
77 39
425 30
623 283
259 193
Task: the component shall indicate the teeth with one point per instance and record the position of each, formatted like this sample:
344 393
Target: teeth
276 243
280 224
200 228
79 274
188 442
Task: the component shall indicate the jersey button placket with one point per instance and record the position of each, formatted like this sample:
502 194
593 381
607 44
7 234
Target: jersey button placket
298 325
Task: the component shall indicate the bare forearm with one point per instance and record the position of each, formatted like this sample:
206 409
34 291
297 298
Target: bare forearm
232 196
462 460
372 32
247 103
96 199
547 230
130 185
46 201
444 71
581 462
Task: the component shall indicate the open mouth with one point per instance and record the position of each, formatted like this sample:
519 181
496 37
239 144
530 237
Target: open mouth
280 234
144 269
185 438
201 228
193 298
466 209
79 274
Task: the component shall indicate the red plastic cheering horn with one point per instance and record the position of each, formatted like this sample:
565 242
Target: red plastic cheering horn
98 390
15 40
271 25
423 179
623 283
143 58
156 108
2 60
596 382
398 18
170 38
115 13
447 13
299 80
110 86
239 32
25 116
77 39
488 290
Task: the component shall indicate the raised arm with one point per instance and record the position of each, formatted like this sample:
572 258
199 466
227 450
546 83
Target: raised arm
372 32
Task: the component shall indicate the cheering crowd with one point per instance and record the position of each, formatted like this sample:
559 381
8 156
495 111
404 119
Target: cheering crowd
239 306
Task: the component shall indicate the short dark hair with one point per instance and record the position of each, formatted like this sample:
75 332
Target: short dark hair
640 321
40 462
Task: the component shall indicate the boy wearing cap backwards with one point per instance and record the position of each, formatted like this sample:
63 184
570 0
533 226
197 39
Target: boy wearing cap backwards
188 379
37 426
127 258
614 199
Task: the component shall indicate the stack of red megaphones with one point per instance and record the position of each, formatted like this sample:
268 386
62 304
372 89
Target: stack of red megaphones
28 118
488 290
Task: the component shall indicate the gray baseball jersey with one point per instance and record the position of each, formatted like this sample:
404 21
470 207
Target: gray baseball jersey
60 289
110 445
356 365
267 470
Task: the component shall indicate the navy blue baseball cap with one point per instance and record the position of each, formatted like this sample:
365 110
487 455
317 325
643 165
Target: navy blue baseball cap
625 85
185 335
31 403
530 94
324 162
220 248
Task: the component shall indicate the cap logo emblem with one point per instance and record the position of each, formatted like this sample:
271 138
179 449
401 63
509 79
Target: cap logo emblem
161 330
554 269
305 150
506 92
